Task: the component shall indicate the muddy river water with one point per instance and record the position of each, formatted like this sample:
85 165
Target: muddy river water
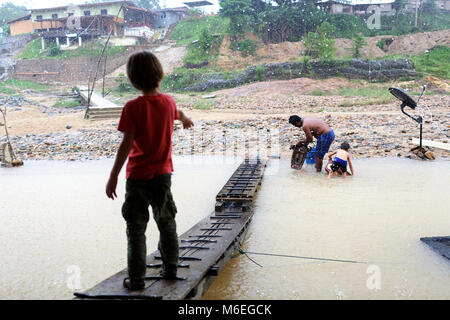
59 233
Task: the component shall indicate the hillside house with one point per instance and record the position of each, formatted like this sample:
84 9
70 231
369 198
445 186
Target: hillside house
359 7
86 21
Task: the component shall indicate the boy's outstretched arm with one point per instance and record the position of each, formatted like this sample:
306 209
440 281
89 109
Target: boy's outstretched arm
332 154
186 121
121 157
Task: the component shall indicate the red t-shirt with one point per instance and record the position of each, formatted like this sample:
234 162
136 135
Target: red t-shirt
150 120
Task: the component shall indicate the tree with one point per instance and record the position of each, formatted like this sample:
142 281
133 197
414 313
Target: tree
320 44
289 21
241 16
358 43
9 11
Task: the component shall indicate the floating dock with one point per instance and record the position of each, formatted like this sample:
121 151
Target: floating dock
205 248
439 244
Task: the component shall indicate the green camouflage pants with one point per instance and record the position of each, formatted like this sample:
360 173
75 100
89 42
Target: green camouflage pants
140 194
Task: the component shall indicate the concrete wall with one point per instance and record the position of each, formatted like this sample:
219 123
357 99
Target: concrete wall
166 19
73 71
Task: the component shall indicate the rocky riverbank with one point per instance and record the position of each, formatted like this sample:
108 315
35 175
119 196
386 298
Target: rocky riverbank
247 120
369 136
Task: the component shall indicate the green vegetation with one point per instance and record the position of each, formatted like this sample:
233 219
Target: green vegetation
291 20
347 25
11 86
183 77
189 30
435 62
371 91
384 43
202 36
319 93
9 11
204 105
320 44
358 43
246 46
67 103
124 85
33 50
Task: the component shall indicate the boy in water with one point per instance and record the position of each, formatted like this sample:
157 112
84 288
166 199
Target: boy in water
147 126
339 164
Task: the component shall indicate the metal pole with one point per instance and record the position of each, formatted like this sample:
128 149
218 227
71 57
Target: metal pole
420 135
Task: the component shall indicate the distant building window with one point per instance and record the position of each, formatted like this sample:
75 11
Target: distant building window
39 18
87 13
54 16
104 12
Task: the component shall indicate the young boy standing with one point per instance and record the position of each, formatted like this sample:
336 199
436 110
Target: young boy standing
147 126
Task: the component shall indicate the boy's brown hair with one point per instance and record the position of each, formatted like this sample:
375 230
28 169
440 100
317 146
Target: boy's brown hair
144 71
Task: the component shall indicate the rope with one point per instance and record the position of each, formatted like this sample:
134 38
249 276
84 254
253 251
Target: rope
246 253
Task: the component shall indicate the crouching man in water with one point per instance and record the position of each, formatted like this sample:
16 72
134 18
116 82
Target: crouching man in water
320 130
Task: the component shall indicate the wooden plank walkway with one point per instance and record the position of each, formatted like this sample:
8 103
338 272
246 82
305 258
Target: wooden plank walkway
432 144
100 108
205 248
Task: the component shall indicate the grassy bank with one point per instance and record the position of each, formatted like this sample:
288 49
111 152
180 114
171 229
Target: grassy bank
202 37
189 30
33 50
435 62
12 86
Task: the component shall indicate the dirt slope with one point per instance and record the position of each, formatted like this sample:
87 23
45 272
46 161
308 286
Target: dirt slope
290 51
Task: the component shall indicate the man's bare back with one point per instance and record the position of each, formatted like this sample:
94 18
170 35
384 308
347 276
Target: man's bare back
314 127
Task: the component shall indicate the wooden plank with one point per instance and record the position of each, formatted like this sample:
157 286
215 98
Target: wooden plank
36 73
204 265
432 144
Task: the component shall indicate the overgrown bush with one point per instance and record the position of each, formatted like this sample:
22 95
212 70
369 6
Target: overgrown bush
320 44
54 50
124 85
247 47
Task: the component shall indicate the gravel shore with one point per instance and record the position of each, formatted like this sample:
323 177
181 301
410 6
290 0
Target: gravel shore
237 122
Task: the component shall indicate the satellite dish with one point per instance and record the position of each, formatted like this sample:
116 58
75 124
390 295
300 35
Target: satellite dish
403 97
